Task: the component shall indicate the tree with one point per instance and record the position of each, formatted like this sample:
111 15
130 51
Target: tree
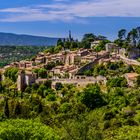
60 42
91 96
50 65
117 82
41 90
26 130
100 37
67 44
65 107
122 34
87 39
97 49
57 49
48 84
35 86
6 108
138 81
51 97
42 73
74 45
132 37
28 90
58 86
11 73
17 109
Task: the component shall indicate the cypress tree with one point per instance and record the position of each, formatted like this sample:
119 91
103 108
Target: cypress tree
6 108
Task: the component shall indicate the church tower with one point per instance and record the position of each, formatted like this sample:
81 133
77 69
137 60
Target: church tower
70 36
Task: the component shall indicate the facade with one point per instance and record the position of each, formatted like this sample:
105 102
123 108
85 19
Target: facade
21 81
112 48
25 79
25 64
133 53
95 43
131 78
40 60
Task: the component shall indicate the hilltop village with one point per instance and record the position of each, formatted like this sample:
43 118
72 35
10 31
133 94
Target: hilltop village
76 90
68 66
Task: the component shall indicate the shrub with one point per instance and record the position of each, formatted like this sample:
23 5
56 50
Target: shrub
26 130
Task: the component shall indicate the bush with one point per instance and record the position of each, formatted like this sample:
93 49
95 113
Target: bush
26 130
91 97
64 108
138 59
117 82
51 97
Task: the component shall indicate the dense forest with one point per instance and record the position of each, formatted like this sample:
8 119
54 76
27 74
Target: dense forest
9 54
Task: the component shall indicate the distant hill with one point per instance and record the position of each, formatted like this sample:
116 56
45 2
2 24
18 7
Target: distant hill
11 39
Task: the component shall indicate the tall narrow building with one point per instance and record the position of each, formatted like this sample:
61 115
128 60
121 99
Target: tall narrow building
21 80
70 38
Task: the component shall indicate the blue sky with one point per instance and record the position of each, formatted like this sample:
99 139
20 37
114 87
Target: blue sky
56 17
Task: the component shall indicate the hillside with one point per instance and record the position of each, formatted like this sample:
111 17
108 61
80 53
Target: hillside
26 40
9 54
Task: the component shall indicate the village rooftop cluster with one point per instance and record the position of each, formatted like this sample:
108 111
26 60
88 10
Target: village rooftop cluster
70 64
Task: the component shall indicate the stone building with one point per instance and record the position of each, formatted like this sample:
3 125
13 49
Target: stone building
25 64
112 48
40 60
25 79
95 43
21 81
131 78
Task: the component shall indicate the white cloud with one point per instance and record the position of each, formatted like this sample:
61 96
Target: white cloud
20 10
76 10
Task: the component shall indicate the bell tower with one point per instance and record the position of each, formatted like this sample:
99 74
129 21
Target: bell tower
70 36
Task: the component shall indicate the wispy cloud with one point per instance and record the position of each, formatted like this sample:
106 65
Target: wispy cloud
61 11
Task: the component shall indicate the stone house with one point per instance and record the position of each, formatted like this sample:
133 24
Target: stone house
95 43
131 78
40 60
112 48
25 79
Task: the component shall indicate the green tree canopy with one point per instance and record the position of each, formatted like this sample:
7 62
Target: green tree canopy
26 130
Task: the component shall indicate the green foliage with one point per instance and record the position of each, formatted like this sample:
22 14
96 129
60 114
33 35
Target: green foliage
65 107
11 73
122 34
101 45
109 69
50 65
6 108
91 97
57 49
138 59
16 53
138 81
26 130
41 90
117 82
58 86
51 97
124 133
129 40
87 39
42 73
60 42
